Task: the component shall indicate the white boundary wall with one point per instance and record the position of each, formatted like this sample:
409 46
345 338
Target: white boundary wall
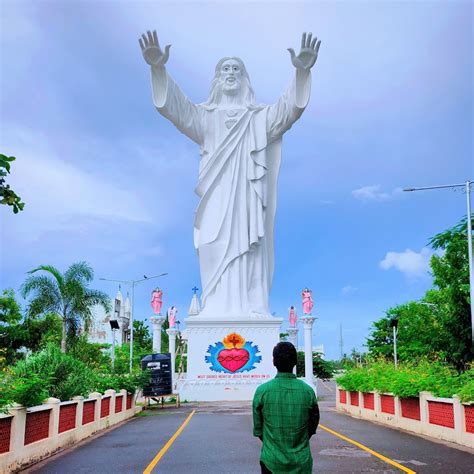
21 454
457 435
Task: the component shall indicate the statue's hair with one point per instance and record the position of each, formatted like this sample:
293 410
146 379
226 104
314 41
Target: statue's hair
215 94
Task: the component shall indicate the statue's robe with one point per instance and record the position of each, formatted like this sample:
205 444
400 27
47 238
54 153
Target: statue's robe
240 161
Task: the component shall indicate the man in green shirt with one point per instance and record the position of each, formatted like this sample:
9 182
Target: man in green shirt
285 416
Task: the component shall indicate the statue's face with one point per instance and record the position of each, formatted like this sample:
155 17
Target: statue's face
231 77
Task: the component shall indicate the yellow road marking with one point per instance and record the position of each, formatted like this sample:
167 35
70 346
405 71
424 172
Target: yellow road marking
165 448
371 451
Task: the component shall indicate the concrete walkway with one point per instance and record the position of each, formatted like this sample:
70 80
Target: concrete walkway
218 439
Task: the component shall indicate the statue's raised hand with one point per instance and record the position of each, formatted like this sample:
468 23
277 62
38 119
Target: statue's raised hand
308 53
151 50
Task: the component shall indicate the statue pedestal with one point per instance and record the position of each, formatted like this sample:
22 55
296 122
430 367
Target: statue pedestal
293 336
172 333
157 323
217 369
308 322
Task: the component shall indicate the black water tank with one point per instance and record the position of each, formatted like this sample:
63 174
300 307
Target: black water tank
160 379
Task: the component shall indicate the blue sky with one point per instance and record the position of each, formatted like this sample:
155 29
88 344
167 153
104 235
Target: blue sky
106 179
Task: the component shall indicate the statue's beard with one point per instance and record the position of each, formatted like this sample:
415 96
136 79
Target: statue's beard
240 91
230 88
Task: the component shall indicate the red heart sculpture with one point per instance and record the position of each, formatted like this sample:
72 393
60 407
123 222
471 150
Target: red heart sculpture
233 359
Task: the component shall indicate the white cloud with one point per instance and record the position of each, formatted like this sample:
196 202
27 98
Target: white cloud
60 188
347 290
375 193
412 264
63 187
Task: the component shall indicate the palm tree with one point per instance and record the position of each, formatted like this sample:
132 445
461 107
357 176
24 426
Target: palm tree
66 295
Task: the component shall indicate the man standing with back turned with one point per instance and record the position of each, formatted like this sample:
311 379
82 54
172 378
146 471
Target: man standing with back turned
285 416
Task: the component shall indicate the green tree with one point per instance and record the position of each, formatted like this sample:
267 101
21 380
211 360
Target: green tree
322 369
66 295
451 276
438 326
39 332
141 336
420 332
94 354
18 332
11 331
7 195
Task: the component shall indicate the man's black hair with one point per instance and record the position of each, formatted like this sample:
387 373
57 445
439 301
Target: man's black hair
284 357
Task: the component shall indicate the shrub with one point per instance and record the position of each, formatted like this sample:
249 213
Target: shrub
409 380
92 354
323 369
65 377
27 391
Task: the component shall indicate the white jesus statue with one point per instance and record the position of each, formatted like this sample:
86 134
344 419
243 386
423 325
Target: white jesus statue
240 148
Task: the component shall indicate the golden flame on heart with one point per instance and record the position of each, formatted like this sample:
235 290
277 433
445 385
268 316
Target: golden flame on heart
233 340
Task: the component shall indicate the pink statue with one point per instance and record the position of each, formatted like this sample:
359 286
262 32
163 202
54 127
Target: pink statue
293 316
172 316
307 301
157 300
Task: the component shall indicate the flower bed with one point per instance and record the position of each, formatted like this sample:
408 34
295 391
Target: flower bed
408 380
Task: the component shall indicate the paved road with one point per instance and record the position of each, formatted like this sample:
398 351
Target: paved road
218 440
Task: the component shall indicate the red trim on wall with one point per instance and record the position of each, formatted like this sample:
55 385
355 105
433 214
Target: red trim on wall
387 404
129 401
118 404
369 401
354 399
5 434
342 396
37 426
67 417
88 412
410 408
469 417
441 413
105 407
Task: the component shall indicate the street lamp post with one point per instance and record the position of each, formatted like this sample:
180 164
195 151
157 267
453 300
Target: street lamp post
114 325
132 283
467 187
394 324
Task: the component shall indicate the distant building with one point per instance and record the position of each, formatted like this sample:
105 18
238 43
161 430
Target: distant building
99 329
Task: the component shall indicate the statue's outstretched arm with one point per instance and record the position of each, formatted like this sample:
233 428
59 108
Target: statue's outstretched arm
167 96
308 52
282 115
152 53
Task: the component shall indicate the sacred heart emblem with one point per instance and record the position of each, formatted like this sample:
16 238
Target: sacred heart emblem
233 359
233 355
